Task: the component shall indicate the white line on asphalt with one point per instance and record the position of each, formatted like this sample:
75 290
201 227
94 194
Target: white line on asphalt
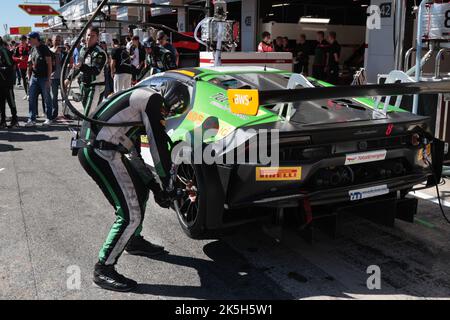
425 196
2 169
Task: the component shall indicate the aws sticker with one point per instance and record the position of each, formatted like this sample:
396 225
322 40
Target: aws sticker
368 192
278 174
364 157
244 101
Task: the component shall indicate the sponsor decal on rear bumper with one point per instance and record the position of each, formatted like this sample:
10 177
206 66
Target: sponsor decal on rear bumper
368 192
278 174
364 157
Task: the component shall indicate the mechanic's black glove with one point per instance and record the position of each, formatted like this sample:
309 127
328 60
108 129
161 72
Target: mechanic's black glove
163 199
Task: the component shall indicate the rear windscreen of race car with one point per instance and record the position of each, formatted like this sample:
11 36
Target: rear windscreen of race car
324 111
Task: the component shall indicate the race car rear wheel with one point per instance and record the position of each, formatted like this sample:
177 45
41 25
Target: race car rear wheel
191 205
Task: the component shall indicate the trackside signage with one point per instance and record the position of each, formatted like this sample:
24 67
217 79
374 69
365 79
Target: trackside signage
368 192
364 157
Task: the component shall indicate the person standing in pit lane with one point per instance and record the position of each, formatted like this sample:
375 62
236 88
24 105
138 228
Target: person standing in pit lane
21 55
90 70
39 72
7 79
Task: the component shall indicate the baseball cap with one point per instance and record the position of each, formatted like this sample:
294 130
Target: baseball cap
34 35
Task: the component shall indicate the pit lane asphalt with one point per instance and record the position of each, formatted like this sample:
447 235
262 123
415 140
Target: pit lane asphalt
53 216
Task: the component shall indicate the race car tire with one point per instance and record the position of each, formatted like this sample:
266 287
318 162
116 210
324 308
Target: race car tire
193 223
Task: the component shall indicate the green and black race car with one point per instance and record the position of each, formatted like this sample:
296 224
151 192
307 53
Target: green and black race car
331 153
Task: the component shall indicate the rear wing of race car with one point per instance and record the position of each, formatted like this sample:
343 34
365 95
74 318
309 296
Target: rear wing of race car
248 101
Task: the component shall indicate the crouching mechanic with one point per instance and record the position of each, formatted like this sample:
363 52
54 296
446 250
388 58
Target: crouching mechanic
111 157
90 71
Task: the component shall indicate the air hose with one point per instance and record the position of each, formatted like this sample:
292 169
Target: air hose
64 90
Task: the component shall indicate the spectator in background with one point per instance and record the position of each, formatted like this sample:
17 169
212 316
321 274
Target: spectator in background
285 46
163 41
76 53
39 74
129 42
121 70
49 43
10 98
66 50
18 78
20 57
320 56
137 56
334 56
278 45
67 45
7 75
58 57
301 64
266 44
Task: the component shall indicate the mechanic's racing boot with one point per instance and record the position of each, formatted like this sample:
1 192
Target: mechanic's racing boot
138 246
3 125
108 278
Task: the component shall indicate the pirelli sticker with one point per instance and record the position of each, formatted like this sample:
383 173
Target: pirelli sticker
278 173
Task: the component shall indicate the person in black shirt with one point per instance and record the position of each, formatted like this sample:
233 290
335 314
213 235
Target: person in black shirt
286 47
334 55
278 44
320 56
137 56
39 72
121 70
302 56
7 79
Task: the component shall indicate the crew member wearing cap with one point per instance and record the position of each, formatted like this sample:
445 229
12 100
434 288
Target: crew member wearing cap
158 59
164 43
39 72
90 70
